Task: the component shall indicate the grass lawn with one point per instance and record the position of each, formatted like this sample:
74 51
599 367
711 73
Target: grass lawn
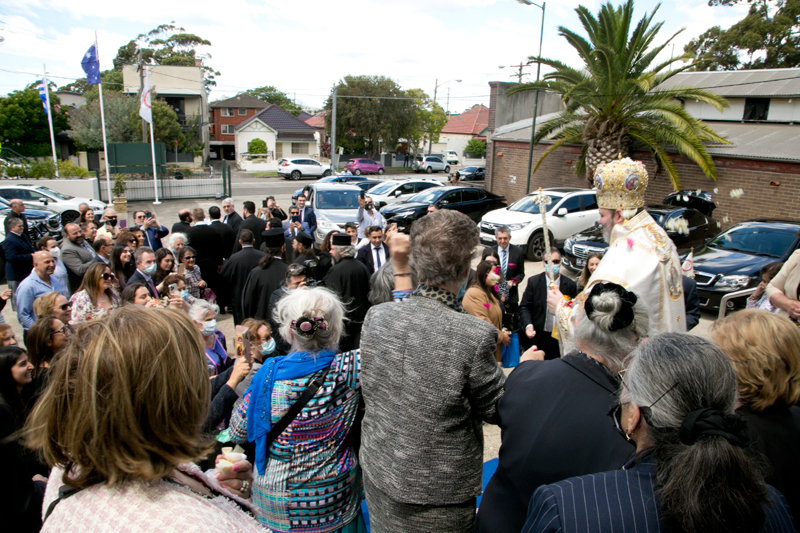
264 174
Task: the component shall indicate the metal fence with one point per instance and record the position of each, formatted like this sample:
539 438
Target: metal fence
206 184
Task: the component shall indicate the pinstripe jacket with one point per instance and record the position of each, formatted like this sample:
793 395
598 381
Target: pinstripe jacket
621 500
429 379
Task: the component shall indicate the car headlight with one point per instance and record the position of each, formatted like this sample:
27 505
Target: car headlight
733 282
568 246
515 227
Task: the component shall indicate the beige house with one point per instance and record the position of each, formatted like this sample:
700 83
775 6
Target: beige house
285 135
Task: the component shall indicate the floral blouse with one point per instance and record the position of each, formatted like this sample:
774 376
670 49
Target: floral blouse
192 278
83 309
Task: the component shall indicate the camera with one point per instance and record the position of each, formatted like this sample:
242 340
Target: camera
310 266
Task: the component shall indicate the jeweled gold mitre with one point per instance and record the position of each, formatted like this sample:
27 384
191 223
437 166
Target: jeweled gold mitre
620 184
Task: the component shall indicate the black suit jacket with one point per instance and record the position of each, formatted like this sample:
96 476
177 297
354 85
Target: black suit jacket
515 269
137 277
533 307
227 235
180 227
19 261
254 224
691 301
208 244
367 257
311 219
234 220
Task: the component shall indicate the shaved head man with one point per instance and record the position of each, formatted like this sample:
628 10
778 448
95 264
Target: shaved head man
39 282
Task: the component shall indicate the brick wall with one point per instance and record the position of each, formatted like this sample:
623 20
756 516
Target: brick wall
760 197
218 120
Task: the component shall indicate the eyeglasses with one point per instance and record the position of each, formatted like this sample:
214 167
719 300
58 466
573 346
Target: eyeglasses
65 306
108 277
616 410
133 240
186 257
66 331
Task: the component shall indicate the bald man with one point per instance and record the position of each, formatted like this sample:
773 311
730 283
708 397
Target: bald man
18 207
39 282
109 224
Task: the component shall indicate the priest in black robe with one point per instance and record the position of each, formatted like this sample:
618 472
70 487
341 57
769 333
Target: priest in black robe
350 280
266 277
236 270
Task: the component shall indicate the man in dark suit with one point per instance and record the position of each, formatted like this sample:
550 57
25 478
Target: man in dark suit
185 224
18 210
145 268
225 231
512 263
307 215
18 251
350 280
251 222
207 242
536 321
236 270
376 253
76 254
232 218
691 302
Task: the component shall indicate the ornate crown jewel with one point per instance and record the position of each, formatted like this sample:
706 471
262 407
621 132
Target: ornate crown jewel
621 184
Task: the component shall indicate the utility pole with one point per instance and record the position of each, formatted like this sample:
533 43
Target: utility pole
333 134
448 102
433 108
141 87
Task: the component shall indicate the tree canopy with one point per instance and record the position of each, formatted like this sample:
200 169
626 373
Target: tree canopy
767 37
271 95
23 122
613 100
119 108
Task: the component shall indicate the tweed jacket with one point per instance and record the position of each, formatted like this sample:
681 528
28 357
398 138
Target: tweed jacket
429 379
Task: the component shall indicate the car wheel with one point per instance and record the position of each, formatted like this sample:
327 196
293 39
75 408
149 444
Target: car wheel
357 172
380 172
429 170
535 248
447 170
69 216
326 173
295 175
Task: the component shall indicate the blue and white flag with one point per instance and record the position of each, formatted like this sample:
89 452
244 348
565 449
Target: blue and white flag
91 66
43 96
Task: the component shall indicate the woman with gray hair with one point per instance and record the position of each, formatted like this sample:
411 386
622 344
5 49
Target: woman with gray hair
204 315
553 413
691 472
176 242
429 377
299 412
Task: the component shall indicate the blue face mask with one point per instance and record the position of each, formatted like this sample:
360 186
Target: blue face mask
556 268
209 328
267 347
185 294
150 269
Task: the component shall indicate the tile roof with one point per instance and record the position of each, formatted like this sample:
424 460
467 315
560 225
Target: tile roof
777 82
243 100
318 120
276 118
304 116
471 122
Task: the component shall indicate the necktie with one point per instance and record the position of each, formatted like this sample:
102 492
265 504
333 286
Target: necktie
377 258
88 248
153 287
504 260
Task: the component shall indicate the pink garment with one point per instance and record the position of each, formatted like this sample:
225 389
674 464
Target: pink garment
136 507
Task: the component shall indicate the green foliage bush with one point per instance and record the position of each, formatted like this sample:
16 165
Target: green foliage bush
476 146
119 185
257 146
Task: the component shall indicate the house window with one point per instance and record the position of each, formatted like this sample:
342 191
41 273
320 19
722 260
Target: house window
278 151
227 129
756 109
299 148
242 112
227 112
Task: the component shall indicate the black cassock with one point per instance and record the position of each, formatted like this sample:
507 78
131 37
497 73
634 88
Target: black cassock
260 286
235 272
350 280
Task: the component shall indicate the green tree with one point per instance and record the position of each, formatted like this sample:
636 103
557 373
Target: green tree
86 126
167 45
166 128
476 146
111 79
23 122
428 119
257 146
613 99
381 115
271 95
767 37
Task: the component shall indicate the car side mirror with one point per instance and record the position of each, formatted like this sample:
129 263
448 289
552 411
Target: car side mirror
561 212
398 192
43 200
444 202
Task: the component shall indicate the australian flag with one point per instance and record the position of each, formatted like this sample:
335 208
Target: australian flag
43 95
91 66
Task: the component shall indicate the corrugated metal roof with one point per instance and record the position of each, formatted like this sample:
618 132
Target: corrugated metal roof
778 82
757 141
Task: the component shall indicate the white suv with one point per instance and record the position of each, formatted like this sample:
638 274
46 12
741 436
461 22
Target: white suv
299 168
571 211
394 191
429 164
36 196
452 157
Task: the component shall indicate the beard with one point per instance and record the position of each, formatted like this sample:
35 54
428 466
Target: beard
607 228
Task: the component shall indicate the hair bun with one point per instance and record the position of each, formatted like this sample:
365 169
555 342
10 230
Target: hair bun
610 306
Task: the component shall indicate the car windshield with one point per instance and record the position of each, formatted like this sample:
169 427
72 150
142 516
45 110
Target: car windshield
469 169
428 197
768 241
337 200
526 205
383 188
57 194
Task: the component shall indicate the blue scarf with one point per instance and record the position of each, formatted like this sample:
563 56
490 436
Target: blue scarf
259 413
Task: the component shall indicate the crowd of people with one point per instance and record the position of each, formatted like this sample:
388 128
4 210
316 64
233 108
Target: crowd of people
363 369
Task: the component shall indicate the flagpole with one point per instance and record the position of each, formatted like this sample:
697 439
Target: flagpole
103 122
50 117
153 150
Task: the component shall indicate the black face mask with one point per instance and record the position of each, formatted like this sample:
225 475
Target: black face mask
111 222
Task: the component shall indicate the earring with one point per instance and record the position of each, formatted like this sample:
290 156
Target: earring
627 436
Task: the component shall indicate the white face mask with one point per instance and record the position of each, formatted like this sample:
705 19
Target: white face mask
209 327
55 252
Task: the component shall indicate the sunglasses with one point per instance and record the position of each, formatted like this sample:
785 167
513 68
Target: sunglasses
187 257
108 277
65 306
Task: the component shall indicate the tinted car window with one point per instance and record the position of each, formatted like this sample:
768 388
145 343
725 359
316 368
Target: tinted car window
7 193
589 201
407 188
695 218
435 159
452 197
573 204
423 186
755 239
470 195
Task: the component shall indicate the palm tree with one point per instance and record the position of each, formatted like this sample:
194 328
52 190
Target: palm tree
614 100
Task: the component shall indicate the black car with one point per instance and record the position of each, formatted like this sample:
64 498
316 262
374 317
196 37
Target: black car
701 228
732 261
471 201
365 184
471 174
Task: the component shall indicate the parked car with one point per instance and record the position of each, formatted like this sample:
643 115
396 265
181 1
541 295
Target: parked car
334 204
429 164
701 228
471 174
41 221
572 210
732 260
364 166
338 178
451 156
393 191
300 168
366 185
471 201
36 196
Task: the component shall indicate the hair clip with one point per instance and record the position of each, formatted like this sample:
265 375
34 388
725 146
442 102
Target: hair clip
306 327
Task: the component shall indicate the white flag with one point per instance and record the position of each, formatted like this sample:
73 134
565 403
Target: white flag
145 107
687 267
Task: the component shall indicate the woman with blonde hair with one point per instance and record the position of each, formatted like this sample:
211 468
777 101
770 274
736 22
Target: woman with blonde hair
95 297
764 349
53 303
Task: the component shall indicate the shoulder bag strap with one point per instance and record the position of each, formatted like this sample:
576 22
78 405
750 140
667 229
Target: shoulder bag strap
64 492
296 407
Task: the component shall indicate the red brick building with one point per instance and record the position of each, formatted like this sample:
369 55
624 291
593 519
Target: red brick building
225 115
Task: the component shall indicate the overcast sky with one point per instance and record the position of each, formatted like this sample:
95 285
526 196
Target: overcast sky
304 47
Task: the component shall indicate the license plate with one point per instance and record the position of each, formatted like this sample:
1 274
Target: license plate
580 262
